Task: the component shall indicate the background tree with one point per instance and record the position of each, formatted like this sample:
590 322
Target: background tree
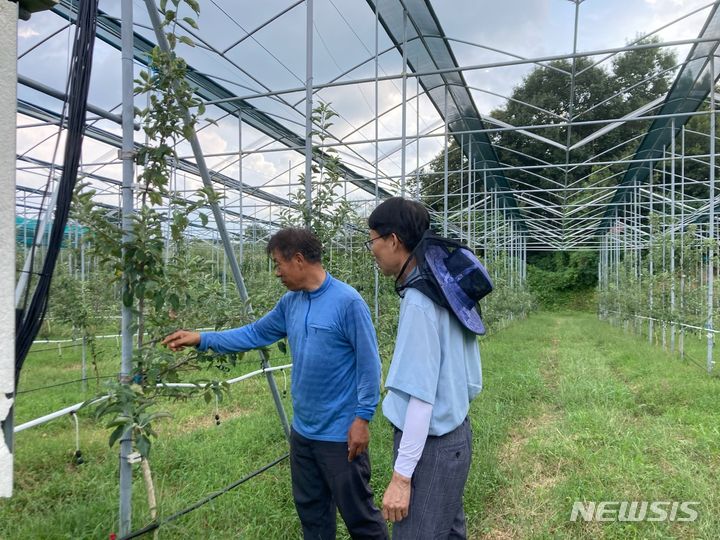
633 79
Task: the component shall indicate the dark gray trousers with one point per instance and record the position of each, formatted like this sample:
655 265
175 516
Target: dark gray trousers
436 500
322 480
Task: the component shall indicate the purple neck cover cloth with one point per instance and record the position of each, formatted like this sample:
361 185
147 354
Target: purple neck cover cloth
463 280
451 276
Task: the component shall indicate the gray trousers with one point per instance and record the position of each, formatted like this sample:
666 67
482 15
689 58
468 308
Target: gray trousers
436 500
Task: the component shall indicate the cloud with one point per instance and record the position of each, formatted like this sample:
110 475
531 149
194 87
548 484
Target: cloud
27 32
259 164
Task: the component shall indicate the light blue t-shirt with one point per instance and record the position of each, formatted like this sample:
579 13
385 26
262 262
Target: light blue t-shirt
435 360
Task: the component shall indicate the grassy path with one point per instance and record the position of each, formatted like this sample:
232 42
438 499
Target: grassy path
572 410
601 416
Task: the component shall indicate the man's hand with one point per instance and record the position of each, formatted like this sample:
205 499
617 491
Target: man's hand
396 501
177 341
358 438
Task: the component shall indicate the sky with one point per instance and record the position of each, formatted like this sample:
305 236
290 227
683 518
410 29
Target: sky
480 32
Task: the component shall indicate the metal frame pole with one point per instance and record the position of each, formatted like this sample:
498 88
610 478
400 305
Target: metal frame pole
403 107
417 138
485 215
472 196
376 273
308 108
651 259
673 317
711 224
83 368
240 190
128 164
445 174
461 185
663 235
682 243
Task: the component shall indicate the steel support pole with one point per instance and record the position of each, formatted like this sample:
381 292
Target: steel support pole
445 173
496 231
240 180
308 109
673 316
651 260
220 224
403 107
41 227
83 369
376 273
485 216
663 235
417 138
711 224
682 242
471 196
128 171
461 185
617 255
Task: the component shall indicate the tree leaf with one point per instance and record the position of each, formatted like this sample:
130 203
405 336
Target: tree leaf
143 445
187 41
191 22
117 434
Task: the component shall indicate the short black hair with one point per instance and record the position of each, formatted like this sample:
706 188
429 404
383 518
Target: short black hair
294 240
407 219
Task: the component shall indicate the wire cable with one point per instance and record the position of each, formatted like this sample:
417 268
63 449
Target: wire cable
74 381
152 526
55 348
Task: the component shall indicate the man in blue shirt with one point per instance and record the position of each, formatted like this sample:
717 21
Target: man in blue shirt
335 385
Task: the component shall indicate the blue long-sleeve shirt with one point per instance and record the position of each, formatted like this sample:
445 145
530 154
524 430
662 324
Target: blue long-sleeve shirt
336 365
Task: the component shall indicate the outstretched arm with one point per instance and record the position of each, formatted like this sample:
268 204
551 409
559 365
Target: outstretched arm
265 331
177 341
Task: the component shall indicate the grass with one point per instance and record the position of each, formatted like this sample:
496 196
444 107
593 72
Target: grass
614 420
572 409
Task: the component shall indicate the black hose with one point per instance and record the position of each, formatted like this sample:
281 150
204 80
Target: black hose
29 318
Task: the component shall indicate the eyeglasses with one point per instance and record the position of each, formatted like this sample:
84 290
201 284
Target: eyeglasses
368 243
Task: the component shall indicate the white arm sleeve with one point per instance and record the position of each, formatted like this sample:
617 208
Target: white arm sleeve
415 433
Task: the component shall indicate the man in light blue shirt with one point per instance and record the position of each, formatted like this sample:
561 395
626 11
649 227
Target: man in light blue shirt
335 385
